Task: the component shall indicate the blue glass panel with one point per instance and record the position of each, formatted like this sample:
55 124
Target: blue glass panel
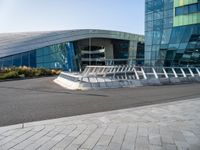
166 36
7 61
25 59
193 8
158 5
187 9
179 11
33 59
70 56
17 60
149 6
158 25
1 63
177 32
39 52
156 37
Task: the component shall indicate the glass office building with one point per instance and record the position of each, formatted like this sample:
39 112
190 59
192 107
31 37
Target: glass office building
71 50
172 32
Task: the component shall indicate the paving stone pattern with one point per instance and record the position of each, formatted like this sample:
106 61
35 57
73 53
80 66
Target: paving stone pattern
170 126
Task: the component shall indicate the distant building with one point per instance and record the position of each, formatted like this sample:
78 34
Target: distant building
172 32
71 50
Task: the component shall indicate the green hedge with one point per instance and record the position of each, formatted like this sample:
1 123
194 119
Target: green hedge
9 75
26 72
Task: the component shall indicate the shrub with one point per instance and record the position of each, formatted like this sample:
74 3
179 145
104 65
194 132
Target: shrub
55 72
9 75
26 71
42 72
23 72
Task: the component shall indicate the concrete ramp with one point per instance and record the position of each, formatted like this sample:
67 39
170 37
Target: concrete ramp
100 77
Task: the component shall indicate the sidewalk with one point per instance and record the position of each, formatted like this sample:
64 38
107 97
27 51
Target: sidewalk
171 126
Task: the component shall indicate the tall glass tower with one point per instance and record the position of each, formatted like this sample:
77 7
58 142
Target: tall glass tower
172 32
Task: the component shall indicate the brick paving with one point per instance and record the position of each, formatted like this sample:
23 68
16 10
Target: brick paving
170 126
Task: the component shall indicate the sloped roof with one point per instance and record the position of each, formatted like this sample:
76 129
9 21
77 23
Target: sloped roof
13 43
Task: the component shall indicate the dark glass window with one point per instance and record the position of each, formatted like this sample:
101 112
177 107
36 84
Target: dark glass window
187 9
179 11
193 8
198 8
120 49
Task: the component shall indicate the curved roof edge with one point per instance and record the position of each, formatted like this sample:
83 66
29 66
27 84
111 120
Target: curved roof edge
13 43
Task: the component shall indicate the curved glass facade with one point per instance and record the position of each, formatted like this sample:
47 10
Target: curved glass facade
172 32
73 56
58 56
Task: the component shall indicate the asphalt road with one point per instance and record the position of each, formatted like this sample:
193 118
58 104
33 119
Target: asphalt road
40 99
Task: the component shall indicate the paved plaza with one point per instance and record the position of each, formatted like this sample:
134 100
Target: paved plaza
169 126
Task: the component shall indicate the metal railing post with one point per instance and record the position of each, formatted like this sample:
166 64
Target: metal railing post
155 73
192 74
136 74
183 72
144 75
175 74
198 71
166 75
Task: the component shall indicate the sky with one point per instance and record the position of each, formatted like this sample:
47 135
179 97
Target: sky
50 15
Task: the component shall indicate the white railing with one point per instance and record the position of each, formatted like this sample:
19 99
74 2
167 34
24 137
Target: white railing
126 76
140 72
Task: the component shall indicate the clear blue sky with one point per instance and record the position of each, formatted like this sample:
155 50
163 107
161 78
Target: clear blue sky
48 15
